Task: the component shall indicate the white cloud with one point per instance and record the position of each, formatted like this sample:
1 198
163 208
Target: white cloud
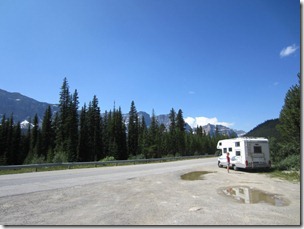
288 50
191 92
202 121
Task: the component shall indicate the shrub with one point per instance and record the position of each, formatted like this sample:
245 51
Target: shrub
108 158
60 157
37 159
292 162
135 157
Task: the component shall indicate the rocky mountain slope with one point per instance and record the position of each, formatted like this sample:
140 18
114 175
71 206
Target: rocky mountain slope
22 107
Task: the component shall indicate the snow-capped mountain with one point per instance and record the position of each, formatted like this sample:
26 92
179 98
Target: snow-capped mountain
223 130
161 119
209 129
25 124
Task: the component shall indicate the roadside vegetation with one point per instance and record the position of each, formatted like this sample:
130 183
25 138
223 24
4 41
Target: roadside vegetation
292 176
284 136
286 151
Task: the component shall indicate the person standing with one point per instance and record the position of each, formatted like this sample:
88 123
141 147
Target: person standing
228 162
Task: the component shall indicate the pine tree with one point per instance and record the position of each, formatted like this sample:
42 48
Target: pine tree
3 141
47 135
106 132
133 128
95 130
162 141
83 149
62 123
67 125
35 144
152 137
142 137
26 143
180 133
173 145
180 122
72 128
290 123
117 145
9 140
18 155
121 138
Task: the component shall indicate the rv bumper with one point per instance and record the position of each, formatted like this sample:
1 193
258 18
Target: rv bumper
257 165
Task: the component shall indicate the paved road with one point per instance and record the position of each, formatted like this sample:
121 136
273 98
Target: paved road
17 184
150 194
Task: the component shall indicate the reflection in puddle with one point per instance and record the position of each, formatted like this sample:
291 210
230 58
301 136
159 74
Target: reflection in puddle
197 175
249 195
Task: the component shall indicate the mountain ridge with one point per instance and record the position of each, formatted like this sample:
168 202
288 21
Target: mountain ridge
24 108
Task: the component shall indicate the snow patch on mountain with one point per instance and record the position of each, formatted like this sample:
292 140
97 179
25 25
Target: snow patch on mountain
25 124
203 121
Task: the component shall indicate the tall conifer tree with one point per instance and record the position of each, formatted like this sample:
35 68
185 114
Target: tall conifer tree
180 133
47 134
142 137
95 130
173 132
290 123
133 128
72 128
83 148
152 137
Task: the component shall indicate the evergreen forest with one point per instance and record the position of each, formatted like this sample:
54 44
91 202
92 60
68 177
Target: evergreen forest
81 135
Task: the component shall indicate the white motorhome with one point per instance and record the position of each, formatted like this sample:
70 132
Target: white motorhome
246 153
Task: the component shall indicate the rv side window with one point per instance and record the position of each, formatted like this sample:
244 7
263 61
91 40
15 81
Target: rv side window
257 149
230 149
237 153
220 143
237 144
225 150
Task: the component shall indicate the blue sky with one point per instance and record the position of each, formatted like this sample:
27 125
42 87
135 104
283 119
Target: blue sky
221 61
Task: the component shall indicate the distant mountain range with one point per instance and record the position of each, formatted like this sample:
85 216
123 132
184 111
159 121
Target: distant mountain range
24 109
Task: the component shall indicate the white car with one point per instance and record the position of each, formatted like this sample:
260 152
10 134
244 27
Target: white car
222 161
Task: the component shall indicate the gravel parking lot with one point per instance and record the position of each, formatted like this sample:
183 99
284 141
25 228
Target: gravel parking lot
152 194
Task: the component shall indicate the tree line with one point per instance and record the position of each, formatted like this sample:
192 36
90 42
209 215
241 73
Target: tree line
70 135
284 133
286 148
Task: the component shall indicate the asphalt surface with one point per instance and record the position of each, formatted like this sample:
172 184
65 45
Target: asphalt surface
148 194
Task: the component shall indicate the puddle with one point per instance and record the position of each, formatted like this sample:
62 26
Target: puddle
197 175
247 195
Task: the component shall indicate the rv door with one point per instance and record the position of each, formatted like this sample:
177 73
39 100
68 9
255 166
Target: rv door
258 156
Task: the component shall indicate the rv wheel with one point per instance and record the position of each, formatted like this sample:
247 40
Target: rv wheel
235 168
219 164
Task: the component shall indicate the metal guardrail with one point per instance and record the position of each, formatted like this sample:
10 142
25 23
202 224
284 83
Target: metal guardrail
99 163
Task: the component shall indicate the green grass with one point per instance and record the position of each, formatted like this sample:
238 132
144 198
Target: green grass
16 171
30 170
292 176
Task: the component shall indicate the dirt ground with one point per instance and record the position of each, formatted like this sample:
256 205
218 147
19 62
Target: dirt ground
162 199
